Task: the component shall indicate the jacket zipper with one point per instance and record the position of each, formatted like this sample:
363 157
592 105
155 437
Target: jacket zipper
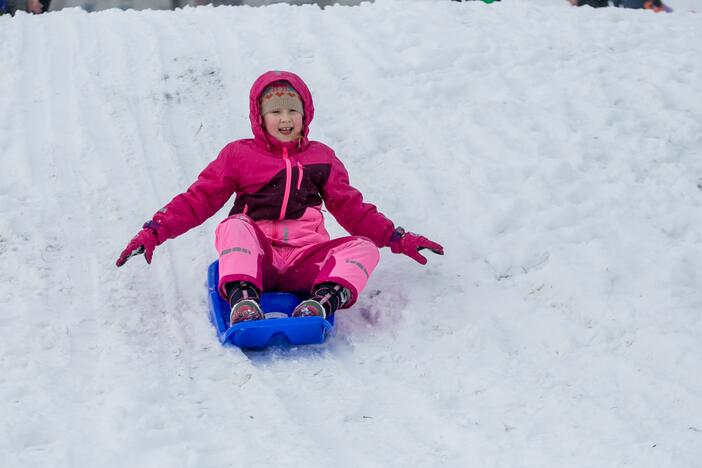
288 183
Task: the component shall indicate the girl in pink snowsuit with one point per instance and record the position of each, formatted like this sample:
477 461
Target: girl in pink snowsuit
274 237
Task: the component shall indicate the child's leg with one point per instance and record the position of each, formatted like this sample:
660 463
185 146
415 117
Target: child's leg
244 253
348 261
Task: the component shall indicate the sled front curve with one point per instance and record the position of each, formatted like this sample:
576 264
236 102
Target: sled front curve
279 326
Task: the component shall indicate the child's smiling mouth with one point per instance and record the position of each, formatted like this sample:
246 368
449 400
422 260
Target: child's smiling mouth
285 130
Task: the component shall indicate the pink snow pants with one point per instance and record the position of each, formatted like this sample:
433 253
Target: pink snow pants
246 254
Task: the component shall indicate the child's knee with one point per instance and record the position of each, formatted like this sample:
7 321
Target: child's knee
358 255
368 251
234 230
235 222
237 219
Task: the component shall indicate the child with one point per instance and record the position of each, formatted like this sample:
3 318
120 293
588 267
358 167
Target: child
274 237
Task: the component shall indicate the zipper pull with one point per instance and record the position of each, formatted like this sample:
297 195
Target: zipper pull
300 171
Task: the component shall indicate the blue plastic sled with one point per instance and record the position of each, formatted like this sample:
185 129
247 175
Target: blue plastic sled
278 327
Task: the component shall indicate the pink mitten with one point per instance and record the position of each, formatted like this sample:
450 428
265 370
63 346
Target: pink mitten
410 244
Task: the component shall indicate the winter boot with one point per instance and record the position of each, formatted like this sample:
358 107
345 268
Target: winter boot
309 308
244 301
325 300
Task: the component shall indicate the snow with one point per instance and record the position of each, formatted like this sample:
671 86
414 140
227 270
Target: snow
553 151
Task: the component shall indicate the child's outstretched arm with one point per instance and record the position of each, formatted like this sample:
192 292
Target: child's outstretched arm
211 190
363 219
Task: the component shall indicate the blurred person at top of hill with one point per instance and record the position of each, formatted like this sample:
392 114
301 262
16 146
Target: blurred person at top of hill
219 3
654 5
38 6
592 3
274 237
8 7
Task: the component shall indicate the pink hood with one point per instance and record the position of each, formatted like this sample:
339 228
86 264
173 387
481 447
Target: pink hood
257 88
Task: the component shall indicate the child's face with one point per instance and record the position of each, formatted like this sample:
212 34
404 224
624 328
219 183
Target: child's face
285 125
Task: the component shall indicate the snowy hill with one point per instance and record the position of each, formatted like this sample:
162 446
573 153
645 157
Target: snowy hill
554 151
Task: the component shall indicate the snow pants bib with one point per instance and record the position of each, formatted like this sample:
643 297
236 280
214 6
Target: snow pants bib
246 254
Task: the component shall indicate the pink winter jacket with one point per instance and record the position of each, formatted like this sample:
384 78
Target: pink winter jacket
281 186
